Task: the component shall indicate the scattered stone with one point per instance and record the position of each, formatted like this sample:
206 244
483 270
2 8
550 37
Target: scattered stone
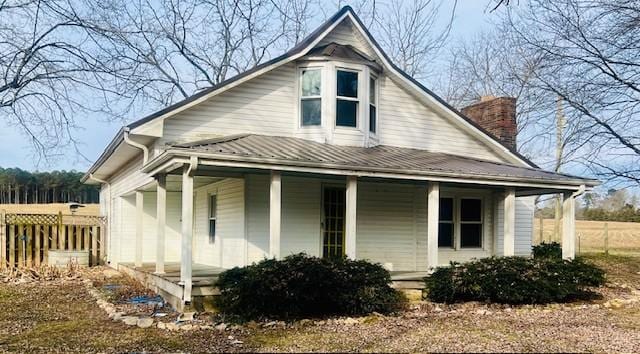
130 320
186 327
270 324
117 316
161 325
145 322
616 304
172 326
252 324
221 327
350 321
206 327
186 316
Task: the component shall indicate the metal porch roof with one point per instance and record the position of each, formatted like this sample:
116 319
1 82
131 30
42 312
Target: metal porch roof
292 151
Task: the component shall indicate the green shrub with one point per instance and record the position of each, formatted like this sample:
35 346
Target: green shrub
514 280
547 250
301 286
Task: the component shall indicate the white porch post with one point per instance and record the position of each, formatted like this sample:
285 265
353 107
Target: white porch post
433 216
275 214
161 217
350 216
509 234
568 226
139 227
187 232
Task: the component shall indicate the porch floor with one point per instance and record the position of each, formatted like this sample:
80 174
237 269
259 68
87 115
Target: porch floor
202 275
205 276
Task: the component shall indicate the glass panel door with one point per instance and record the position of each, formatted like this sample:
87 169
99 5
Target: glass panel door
333 199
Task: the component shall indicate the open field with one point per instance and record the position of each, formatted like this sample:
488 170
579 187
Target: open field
89 209
623 237
60 316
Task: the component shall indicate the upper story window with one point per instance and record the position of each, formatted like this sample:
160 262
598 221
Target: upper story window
347 99
373 105
311 97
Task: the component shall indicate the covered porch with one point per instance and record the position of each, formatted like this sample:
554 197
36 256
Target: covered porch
272 207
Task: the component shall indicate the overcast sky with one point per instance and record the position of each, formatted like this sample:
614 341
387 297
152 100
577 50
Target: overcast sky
15 148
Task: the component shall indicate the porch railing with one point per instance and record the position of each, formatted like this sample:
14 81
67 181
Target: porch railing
26 239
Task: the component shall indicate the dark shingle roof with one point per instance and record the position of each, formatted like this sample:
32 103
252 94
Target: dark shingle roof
292 151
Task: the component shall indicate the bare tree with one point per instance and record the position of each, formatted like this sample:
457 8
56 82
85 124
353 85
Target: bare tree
45 72
162 51
412 33
591 59
119 59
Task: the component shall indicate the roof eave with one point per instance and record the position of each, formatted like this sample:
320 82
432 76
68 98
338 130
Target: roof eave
174 156
108 151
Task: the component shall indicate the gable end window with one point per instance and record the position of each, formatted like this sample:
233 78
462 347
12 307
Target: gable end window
373 105
347 99
460 223
213 213
311 97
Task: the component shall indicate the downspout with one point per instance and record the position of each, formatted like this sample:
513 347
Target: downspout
144 148
580 191
109 216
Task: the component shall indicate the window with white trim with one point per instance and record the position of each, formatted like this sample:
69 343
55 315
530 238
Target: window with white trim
460 223
446 223
373 105
311 97
347 98
213 216
470 223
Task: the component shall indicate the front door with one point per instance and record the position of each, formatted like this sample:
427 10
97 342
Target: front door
333 200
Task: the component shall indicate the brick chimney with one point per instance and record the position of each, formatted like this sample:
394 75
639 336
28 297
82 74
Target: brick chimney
497 115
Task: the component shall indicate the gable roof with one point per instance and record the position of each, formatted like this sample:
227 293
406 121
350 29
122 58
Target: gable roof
302 48
288 151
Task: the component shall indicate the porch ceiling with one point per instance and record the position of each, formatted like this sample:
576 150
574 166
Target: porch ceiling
294 154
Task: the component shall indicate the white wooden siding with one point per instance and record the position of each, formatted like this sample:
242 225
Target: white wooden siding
391 225
346 34
228 250
264 105
524 226
300 215
257 211
404 121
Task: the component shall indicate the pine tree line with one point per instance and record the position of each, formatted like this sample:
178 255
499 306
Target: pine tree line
18 186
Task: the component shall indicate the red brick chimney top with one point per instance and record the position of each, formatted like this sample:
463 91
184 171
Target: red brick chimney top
497 115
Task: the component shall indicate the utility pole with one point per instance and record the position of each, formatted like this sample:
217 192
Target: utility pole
561 122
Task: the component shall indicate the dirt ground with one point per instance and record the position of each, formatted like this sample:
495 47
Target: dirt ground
60 316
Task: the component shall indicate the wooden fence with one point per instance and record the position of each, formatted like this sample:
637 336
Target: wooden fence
25 239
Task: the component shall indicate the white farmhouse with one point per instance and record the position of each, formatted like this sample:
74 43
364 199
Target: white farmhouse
328 149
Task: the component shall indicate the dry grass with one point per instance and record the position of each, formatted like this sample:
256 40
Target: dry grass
63 317
624 237
89 209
